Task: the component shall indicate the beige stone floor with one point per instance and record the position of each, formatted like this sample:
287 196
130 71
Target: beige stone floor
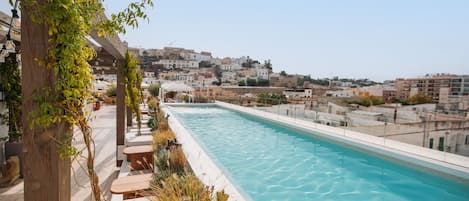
104 127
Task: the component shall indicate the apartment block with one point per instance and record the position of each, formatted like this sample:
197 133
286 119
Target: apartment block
440 86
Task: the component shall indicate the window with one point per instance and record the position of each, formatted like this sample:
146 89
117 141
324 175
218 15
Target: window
441 143
431 143
467 140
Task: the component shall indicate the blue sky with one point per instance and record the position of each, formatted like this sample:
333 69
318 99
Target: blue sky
356 39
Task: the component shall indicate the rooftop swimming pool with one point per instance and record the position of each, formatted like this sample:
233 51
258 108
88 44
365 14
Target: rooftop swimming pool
272 162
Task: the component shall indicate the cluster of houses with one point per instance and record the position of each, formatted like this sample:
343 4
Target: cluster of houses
198 69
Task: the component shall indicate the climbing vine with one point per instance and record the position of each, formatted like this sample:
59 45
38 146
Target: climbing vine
69 23
11 87
133 81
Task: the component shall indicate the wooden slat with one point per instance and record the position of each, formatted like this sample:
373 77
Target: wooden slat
138 149
131 184
113 45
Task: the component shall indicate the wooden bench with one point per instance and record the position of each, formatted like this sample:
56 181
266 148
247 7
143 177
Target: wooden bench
140 157
132 186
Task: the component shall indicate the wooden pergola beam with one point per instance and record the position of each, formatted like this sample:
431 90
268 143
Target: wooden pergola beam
117 49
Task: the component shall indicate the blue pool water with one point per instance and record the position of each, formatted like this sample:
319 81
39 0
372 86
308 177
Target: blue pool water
270 162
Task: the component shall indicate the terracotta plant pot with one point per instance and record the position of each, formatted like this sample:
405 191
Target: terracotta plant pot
15 149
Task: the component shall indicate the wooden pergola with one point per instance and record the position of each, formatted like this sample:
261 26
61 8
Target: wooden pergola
46 175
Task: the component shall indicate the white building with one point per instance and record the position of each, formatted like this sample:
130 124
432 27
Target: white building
111 78
195 56
298 93
187 78
231 67
202 81
150 81
148 74
240 60
228 76
171 64
262 72
345 93
216 61
375 90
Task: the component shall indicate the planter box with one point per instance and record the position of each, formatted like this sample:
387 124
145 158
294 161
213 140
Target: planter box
15 149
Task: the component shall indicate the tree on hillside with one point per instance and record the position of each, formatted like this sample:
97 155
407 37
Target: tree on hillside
251 82
267 64
248 63
263 82
303 79
272 99
205 64
367 101
419 99
218 72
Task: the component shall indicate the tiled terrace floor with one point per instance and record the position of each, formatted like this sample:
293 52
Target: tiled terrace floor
104 130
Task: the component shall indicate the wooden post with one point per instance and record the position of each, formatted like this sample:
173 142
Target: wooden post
129 116
46 175
117 49
120 120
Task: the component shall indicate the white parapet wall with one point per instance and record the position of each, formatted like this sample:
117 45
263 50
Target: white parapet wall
203 166
453 165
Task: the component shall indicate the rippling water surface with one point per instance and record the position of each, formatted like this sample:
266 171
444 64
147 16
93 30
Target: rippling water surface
269 162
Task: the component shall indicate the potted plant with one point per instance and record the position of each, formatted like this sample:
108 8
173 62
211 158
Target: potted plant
111 94
11 87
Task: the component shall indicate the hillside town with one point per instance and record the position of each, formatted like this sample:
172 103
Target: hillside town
429 111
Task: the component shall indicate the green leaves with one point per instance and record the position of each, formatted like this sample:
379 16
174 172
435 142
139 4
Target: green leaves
127 17
11 87
133 81
69 22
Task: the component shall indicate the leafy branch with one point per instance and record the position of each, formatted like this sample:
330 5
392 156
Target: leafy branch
68 53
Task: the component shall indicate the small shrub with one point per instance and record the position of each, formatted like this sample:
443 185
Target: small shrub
177 159
161 161
163 125
160 176
156 119
222 196
367 101
160 116
111 91
152 123
153 103
187 187
154 89
160 139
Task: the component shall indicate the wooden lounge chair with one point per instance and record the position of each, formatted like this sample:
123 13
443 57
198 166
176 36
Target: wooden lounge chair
132 186
140 157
